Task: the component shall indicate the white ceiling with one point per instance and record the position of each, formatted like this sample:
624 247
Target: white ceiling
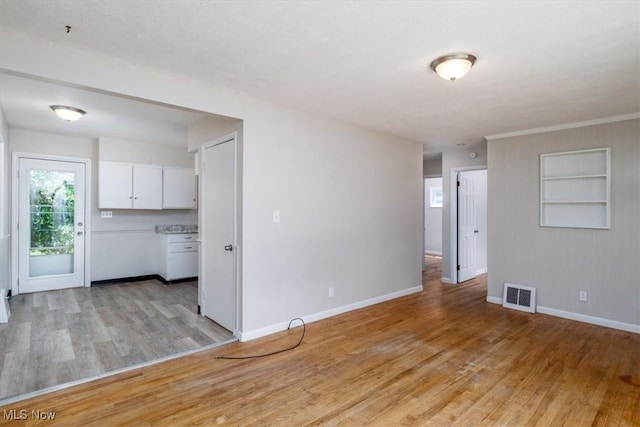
539 63
25 103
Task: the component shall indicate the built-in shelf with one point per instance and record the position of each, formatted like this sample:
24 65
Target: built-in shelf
574 201
575 189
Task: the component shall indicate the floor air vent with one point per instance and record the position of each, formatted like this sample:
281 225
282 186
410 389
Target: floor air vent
519 297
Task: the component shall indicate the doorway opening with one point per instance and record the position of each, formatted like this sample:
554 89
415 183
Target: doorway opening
433 203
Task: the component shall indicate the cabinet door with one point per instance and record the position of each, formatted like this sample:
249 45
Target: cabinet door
182 265
114 186
147 187
179 188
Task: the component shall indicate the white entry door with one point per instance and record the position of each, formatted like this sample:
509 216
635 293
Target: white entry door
218 236
467 226
51 225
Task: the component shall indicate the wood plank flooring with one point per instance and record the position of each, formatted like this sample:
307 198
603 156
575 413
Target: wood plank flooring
58 337
440 357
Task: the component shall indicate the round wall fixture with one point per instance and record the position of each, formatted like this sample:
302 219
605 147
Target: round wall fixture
473 155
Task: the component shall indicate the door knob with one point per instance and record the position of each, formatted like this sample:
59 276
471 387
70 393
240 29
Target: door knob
79 224
79 233
228 248
476 231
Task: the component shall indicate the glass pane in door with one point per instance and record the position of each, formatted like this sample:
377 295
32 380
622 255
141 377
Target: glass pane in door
51 211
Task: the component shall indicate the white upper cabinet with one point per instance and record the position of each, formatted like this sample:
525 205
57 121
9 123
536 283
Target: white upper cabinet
178 188
127 186
147 187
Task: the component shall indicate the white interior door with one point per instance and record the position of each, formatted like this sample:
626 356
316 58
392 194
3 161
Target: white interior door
218 249
467 226
51 225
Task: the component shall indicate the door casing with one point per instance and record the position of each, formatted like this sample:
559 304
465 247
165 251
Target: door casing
15 214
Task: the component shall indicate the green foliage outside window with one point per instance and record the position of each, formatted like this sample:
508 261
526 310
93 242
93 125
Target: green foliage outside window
52 212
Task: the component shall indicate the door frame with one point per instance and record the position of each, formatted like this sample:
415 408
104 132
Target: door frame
15 214
237 232
453 217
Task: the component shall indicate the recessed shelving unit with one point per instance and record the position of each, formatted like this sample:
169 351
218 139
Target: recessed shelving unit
575 189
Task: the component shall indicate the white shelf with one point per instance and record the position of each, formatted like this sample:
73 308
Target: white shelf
575 189
579 202
555 178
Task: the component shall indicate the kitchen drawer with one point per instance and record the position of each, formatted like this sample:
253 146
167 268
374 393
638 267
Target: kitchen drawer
177 238
183 247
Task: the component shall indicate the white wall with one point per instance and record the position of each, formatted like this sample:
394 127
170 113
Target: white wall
208 129
454 160
432 167
560 262
351 199
125 245
5 240
122 150
432 219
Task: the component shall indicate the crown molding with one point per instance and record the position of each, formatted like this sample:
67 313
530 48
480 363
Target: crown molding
585 123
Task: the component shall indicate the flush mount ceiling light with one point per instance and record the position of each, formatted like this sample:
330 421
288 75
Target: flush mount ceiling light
453 66
69 114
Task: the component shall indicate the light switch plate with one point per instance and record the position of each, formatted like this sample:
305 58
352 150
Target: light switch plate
106 214
276 216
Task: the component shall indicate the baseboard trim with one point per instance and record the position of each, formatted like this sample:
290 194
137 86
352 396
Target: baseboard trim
140 279
447 280
434 253
278 327
494 300
125 280
607 323
481 271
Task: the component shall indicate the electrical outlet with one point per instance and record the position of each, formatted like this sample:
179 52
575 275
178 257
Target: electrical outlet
583 295
330 292
106 214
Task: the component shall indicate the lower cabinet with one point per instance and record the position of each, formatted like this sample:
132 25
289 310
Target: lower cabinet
180 256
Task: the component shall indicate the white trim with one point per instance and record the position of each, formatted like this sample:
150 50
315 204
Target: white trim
434 253
590 319
565 126
51 389
607 323
15 213
448 281
494 300
481 271
5 311
278 327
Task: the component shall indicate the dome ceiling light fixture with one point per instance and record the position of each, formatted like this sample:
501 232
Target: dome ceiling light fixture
67 113
453 65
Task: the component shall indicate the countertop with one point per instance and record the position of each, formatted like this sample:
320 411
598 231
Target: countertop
177 229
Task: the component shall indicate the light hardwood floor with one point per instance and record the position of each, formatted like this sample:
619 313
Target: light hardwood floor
62 336
440 357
